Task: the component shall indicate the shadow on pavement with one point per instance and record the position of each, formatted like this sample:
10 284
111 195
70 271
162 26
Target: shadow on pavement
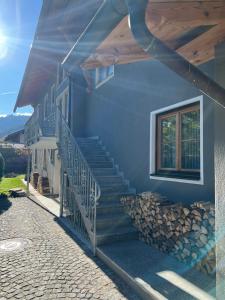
4 204
120 284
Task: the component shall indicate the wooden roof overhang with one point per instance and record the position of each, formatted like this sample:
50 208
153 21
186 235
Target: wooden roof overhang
192 28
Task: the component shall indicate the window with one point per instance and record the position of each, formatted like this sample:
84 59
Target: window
45 160
59 74
52 156
103 74
177 145
53 95
35 158
45 106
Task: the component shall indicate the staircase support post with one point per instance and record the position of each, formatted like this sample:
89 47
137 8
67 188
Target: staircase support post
61 192
28 172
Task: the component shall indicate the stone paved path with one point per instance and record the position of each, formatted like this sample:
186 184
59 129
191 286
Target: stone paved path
53 266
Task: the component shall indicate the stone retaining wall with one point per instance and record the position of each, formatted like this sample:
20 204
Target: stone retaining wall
186 232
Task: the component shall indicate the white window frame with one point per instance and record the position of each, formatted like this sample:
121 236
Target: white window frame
153 143
97 71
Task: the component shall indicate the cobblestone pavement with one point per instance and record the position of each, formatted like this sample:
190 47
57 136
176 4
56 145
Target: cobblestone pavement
53 265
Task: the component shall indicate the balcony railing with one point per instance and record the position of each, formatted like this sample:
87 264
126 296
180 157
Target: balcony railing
39 126
62 86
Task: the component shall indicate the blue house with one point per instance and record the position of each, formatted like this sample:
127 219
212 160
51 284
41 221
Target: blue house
128 98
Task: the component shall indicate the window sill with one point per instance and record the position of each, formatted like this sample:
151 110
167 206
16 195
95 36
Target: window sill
167 177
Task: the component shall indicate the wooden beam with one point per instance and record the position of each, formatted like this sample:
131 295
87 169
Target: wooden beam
202 49
195 13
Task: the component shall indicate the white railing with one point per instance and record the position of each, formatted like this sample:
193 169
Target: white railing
81 190
38 126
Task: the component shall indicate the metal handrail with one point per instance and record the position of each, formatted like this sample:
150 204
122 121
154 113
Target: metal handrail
82 181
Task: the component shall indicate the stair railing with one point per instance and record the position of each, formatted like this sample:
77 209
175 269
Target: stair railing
83 184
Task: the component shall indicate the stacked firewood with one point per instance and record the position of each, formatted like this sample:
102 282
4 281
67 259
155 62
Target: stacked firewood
43 185
186 232
34 179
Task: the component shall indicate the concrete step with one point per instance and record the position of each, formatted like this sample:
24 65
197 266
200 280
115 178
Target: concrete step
113 188
97 159
87 141
113 207
116 196
102 165
115 235
104 171
90 145
110 179
106 184
93 152
112 221
97 156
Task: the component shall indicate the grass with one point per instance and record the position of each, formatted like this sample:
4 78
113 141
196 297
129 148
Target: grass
11 183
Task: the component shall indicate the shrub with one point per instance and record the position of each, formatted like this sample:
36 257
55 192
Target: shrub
15 160
2 166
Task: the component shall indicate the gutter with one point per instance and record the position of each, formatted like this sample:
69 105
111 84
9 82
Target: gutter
158 50
109 14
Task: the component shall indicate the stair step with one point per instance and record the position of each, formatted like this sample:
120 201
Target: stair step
89 138
110 179
109 208
115 196
91 155
86 140
93 152
104 171
90 146
103 165
117 188
97 159
113 221
126 233
105 184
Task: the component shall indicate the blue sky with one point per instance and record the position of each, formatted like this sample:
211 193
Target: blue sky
18 20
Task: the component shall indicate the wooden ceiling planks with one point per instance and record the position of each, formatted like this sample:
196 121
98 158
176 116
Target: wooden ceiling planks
168 21
202 49
195 12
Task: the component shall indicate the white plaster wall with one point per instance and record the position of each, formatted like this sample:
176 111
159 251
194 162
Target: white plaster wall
52 171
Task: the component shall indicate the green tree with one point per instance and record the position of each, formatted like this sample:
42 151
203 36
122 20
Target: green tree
2 166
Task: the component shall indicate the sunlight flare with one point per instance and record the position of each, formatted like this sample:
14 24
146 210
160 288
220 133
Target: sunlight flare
3 46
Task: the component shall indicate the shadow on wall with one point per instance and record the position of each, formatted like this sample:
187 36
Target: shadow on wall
4 204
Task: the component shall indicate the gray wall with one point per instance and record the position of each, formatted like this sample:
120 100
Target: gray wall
220 174
119 113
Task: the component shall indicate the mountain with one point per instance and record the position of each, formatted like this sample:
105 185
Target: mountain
12 123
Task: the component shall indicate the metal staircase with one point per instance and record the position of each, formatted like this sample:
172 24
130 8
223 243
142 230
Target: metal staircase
92 188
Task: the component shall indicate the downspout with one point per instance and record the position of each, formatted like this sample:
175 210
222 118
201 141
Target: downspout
158 50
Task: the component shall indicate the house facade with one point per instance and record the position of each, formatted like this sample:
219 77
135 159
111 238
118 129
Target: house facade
110 120
15 137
